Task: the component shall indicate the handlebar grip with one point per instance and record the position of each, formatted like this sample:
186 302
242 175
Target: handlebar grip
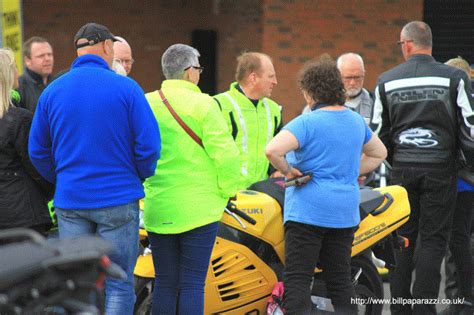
232 208
244 216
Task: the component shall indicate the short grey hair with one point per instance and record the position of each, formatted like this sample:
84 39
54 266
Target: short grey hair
349 55
177 58
419 32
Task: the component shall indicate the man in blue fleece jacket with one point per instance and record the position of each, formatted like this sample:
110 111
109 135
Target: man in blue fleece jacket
95 136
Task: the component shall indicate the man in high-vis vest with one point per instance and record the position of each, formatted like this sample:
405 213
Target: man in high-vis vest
253 119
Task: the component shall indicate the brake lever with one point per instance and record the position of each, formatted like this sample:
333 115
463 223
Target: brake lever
235 217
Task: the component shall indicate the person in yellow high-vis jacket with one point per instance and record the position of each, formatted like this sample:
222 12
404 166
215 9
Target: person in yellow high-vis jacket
252 118
186 197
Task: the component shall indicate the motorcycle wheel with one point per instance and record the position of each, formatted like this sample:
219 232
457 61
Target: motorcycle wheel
368 285
144 293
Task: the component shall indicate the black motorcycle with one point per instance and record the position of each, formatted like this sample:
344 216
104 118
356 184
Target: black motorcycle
67 276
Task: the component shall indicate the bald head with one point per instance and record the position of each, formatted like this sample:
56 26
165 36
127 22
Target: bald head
419 32
123 52
416 38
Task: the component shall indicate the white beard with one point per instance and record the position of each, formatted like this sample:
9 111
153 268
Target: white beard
353 92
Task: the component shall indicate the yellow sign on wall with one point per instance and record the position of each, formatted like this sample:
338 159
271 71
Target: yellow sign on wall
11 28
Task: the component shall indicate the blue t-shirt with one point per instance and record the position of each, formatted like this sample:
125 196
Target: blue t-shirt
330 147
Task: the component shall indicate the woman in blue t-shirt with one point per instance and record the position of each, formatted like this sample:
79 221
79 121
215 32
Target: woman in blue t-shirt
335 145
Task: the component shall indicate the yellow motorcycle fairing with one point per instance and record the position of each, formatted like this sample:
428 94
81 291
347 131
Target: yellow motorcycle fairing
237 281
267 212
373 228
144 267
142 234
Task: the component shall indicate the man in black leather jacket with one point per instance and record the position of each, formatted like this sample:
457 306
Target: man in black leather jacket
420 108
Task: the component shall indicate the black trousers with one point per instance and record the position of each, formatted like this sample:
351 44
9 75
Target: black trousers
432 195
305 245
458 263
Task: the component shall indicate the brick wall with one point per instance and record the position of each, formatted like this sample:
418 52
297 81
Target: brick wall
291 31
297 31
150 27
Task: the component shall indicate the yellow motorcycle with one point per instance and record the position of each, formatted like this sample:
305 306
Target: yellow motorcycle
248 255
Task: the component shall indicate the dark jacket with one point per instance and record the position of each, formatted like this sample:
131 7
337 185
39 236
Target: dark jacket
23 193
421 106
30 88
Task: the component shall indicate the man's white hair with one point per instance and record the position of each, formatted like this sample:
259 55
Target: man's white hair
349 56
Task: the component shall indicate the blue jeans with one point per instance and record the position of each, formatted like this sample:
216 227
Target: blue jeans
181 262
118 225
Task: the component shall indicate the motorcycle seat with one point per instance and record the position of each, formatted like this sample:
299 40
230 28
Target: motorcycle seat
370 200
272 187
20 261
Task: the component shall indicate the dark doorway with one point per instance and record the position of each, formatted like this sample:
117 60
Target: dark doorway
452 24
205 41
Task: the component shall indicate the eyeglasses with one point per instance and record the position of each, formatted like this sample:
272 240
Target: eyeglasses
200 69
127 62
355 78
401 42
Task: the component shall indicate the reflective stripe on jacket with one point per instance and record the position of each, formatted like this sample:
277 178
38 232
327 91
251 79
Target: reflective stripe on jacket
252 127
